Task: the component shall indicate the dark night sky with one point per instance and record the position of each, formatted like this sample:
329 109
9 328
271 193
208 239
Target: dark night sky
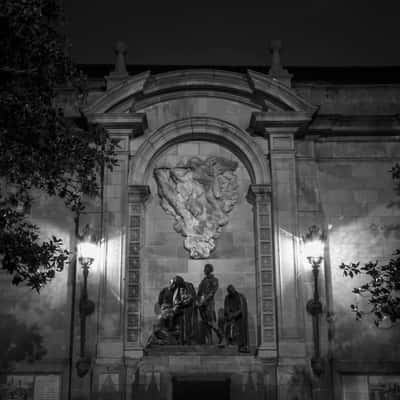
314 32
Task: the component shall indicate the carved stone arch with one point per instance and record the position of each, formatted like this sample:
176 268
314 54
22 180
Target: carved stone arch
201 128
250 153
144 88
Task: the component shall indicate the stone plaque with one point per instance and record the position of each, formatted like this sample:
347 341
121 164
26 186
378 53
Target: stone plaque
18 387
47 387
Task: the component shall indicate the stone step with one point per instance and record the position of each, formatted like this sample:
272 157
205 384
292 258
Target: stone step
211 350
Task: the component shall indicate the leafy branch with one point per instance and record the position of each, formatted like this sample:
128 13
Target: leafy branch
382 288
39 147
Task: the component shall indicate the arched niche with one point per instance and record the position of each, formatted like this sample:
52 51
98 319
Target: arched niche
243 254
163 252
239 142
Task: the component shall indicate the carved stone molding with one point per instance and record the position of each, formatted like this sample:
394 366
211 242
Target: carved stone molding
132 124
260 197
238 141
137 196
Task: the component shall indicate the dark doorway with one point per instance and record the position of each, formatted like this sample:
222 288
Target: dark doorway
185 389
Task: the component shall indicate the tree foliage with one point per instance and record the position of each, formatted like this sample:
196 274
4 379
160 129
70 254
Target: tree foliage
39 147
382 287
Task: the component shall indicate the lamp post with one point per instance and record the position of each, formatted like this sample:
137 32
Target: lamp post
88 251
314 250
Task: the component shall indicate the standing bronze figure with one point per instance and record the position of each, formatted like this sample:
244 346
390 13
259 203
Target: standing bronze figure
177 321
184 307
205 297
236 319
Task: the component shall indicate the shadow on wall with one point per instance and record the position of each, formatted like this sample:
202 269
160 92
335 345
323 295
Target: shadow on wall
353 338
19 342
372 237
299 385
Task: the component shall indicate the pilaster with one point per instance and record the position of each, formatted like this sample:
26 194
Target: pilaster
112 316
260 196
280 129
137 196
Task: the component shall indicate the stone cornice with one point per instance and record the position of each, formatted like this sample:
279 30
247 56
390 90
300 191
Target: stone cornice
261 122
349 125
117 94
284 97
258 192
197 78
138 193
133 124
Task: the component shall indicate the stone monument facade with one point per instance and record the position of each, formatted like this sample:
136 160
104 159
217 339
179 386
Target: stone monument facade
228 169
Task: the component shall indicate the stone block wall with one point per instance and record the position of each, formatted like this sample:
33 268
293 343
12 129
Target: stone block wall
35 326
245 376
346 186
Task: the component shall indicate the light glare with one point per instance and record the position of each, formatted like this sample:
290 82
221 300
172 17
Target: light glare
314 249
88 250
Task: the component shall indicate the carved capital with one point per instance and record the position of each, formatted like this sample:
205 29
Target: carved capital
138 193
121 124
280 122
258 193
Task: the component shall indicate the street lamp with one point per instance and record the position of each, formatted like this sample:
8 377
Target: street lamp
314 244
88 251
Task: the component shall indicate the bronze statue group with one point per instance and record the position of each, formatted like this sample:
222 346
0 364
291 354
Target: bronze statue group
189 318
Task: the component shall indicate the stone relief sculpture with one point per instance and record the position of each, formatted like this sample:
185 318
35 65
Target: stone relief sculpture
199 194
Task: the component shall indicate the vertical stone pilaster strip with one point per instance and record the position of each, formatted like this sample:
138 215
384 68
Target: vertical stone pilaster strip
284 189
137 196
260 196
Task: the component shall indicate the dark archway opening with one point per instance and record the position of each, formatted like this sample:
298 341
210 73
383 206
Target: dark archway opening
184 389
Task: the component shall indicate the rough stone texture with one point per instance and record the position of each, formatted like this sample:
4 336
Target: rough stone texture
352 99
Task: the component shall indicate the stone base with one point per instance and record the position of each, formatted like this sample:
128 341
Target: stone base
244 374
212 350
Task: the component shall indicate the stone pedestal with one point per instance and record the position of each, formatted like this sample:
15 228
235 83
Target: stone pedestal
159 374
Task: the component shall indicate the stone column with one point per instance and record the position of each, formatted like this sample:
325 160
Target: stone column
260 196
137 196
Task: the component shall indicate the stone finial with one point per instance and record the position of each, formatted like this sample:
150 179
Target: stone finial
120 73
120 49
276 70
